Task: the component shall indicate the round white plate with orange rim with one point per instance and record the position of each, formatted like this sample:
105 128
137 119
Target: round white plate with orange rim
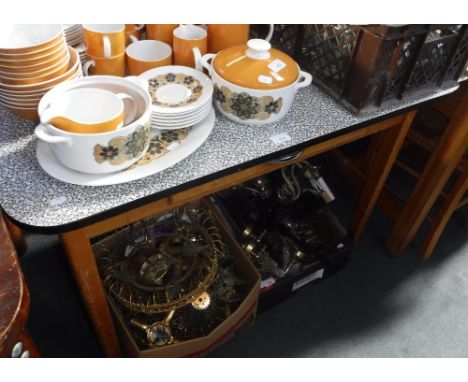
167 148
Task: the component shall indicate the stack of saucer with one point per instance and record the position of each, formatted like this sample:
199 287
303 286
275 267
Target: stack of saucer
181 96
73 34
33 59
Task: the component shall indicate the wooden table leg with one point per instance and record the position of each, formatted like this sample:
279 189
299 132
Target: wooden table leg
82 261
450 204
443 161
389 145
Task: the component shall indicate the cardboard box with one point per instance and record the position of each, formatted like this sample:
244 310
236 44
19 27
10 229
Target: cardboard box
277 290
244 315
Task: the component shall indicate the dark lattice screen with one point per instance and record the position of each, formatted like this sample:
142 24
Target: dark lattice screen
433 57
327 52
459 59
402 67
285 37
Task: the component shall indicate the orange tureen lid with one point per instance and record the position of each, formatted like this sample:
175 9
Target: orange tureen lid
256 66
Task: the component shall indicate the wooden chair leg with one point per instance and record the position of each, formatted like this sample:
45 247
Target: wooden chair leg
388 147
17 236
450 204
443 161
82 261
29 344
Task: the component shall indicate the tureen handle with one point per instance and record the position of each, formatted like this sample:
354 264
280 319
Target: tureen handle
139 81
305 79
206 62
41 133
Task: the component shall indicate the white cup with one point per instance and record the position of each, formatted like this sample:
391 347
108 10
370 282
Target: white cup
147 54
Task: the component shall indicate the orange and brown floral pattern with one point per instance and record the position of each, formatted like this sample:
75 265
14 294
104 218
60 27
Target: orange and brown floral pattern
121 149
245 106
195 89
159 145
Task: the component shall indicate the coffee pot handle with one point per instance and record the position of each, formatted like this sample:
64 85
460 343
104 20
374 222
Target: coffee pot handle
270 32
132 38
139 81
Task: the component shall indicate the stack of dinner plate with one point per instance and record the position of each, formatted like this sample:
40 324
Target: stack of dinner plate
73 34
33 59
181 96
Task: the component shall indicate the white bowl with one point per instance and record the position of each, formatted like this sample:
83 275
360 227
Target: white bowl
73 67
54 64
39 91
21 98
100 153
37 63
25 38
19 105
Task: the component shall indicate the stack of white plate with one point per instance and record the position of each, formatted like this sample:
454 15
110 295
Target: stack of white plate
181 96
33 59
73 34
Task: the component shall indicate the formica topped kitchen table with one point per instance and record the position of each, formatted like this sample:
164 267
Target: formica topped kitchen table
232 154
41 203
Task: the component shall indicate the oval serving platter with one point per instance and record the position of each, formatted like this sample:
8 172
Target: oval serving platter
175 150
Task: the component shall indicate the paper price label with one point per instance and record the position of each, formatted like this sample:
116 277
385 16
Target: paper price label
308 279
276 65
265 79
58 201
267 283
280 138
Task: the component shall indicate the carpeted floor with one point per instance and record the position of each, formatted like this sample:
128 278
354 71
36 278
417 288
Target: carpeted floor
377 307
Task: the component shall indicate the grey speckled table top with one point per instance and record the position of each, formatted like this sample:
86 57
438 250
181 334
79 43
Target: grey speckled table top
33 198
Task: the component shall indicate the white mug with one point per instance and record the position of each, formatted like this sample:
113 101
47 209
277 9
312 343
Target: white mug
189 44
104 40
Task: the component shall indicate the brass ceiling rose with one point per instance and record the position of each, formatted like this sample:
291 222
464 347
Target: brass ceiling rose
163 265
202 302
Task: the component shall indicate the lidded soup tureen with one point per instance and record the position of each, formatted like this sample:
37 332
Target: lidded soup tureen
254 84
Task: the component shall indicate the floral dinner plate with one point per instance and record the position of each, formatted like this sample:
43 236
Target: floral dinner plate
178 89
